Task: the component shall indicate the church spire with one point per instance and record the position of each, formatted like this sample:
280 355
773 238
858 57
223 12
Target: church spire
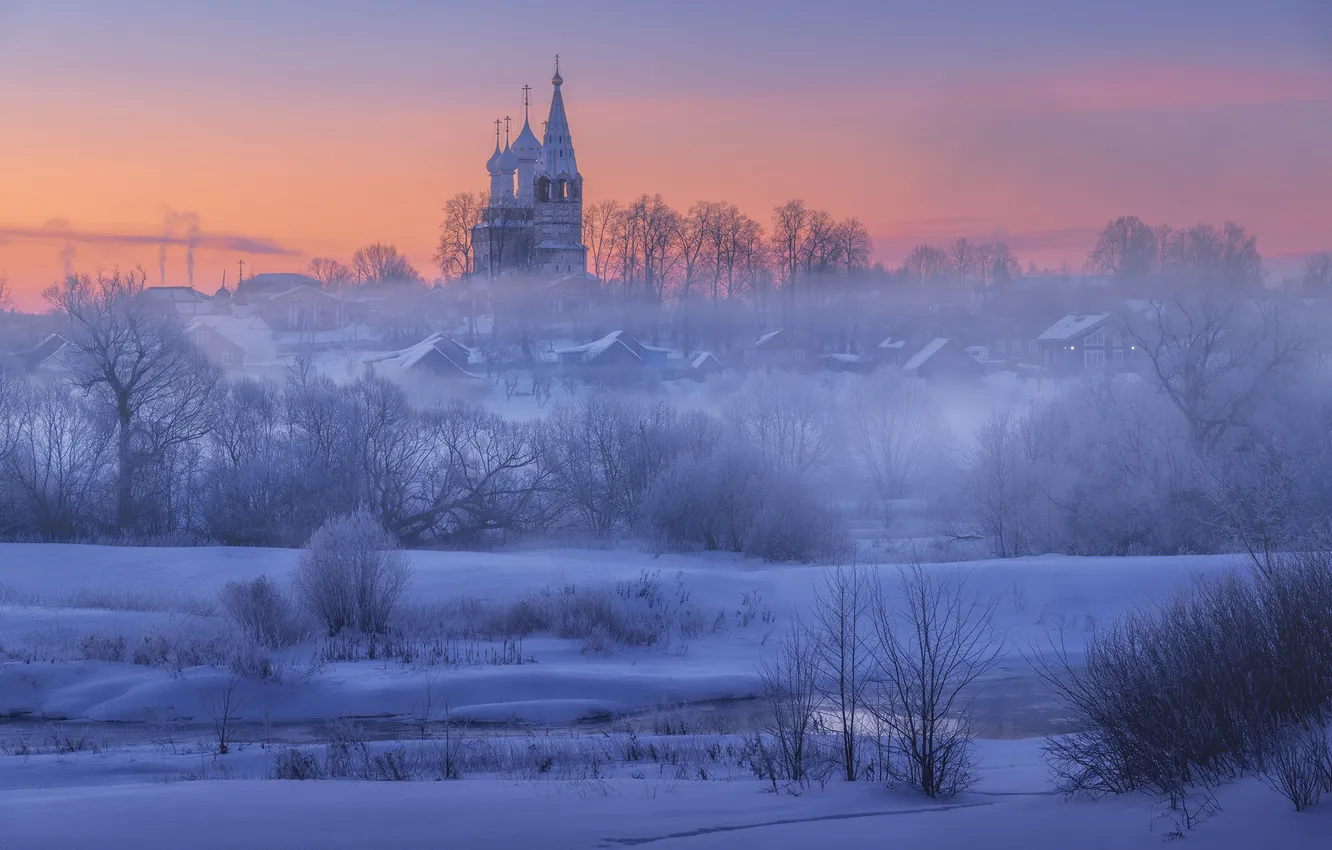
557 145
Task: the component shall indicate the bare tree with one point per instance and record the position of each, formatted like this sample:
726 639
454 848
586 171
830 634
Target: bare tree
222 711
853 244
6 297
598 228
56 453
1215 357
936 642
926 262
656 224
1317 278
691 236
790 231
997 488
136 362
330 273
819 245
456 251
1228 256
842 629
380 262
893 432
754 260
789 684
788 419
963 259
1126 248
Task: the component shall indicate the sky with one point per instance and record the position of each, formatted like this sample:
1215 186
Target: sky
285 129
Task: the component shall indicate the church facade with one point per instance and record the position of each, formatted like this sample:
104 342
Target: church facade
533 223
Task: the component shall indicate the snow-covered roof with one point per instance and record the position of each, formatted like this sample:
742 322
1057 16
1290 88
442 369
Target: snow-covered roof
844 358
409 357
767 336
298 288
891 343
173 294
699 360
1072 325
592 350
920 358
250 334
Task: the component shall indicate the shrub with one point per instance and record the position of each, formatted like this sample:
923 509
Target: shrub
1192 692
249 660
351 574
103 648
1295 764
731 499
291 763
262 612
793 526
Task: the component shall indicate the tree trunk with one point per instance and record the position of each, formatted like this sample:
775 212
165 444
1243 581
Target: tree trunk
124 473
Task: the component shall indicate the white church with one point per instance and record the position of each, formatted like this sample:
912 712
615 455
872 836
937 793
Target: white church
534 223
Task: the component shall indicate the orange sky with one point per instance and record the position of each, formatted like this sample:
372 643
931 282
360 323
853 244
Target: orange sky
1041 156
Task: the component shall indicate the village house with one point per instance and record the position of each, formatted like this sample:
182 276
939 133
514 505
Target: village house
436 355
300 308
781 349
1081 342
184 301
238 345
615 355
943 360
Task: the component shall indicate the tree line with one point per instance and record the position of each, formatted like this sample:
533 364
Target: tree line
646 249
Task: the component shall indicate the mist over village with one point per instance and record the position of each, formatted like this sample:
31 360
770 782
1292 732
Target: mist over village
590 425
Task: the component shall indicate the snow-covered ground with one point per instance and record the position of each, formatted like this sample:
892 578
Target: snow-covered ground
97 753
1012 809
1039 599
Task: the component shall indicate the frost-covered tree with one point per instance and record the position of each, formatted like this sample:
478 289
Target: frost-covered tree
134 362
788 419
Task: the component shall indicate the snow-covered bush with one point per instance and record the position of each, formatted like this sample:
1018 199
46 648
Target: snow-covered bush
707 500
895 433
794 526
351 574
606 451
731 499
102 647
261 610
291 763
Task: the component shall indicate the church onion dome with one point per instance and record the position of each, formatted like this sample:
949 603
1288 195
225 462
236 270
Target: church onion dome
508 160
493 164
526 147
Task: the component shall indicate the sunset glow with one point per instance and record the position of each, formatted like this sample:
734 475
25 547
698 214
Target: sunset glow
294 133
